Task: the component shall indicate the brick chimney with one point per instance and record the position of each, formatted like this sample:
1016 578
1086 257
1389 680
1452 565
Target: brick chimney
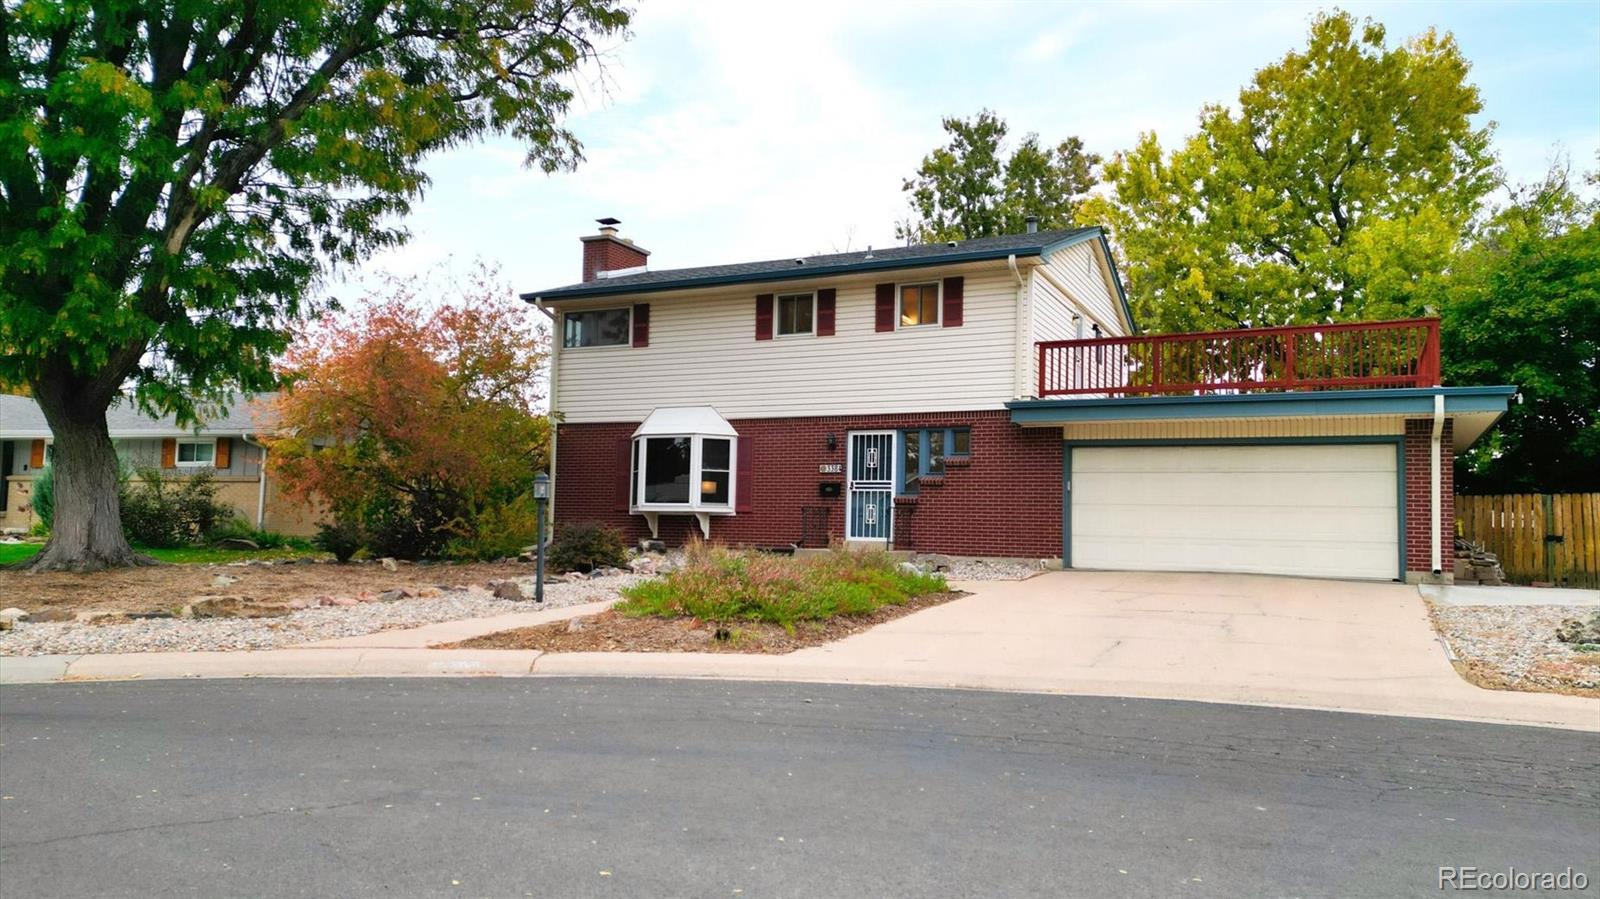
606 252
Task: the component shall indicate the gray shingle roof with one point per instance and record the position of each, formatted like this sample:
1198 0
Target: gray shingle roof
1035 244
20 416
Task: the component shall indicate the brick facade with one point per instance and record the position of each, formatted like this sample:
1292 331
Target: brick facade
1419 511
1005 500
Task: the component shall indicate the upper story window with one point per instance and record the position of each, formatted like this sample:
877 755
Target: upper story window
193 453
919 304
596 327
797 314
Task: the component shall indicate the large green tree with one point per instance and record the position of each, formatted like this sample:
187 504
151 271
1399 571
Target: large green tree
1522 306
1338 187
971 188
175 175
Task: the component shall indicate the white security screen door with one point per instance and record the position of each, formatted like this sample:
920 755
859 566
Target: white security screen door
869 505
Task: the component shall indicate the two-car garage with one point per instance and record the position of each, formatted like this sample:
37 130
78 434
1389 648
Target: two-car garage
1313 509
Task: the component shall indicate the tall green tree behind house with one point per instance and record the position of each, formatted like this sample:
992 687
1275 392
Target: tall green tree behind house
1522 306
1338 187
176 174
971 188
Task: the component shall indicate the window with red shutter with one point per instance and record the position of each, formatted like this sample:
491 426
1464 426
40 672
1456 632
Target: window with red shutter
953 288
827 300
884 307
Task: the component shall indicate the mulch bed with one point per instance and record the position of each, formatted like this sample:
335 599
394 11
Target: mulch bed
614 632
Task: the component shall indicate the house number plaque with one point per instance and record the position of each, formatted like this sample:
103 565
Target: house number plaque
831 468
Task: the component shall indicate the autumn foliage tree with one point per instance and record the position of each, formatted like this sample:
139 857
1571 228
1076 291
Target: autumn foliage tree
419 422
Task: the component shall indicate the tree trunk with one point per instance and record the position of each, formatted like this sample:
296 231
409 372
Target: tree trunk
86 534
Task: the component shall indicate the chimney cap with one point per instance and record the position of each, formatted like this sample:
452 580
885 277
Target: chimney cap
1033 224
609 222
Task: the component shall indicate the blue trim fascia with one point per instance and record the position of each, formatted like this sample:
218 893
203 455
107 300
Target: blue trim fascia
1399 466
799 273
1393 401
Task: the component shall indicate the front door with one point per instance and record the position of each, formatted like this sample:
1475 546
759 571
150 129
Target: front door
869 504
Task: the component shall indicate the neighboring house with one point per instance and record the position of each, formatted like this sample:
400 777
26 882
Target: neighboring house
225 447
987 397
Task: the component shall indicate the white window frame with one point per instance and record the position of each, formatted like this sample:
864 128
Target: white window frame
696 475
777 314
627 339
177 452
938 304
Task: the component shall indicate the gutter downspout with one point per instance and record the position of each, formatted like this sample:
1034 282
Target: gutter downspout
1433 484
1020 357
261 483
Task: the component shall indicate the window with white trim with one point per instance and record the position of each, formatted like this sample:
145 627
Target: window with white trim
797 314
684 472
596 327
919 304
193 453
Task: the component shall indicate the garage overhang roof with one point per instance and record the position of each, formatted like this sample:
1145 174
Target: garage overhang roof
1474 409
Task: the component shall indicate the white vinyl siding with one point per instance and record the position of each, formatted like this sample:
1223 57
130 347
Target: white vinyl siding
1081 270
1307 510
703 352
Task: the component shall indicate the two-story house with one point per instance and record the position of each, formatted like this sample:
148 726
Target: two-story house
992 397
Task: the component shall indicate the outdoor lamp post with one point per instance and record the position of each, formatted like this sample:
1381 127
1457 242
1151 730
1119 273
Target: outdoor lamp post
541 493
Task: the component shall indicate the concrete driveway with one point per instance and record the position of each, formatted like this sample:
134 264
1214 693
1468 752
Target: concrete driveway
1346 645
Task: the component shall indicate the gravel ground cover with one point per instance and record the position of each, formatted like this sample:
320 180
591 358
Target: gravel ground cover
991 570
1515 648
304 626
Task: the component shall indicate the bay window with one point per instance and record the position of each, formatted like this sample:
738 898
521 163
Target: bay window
682 472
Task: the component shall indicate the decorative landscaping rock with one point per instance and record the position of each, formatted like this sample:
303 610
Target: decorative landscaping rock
507 590
236 543
223 580
389 564
935 562
44 616
647 545
577 624
233 607
12 615
392 595
1572 630
645 565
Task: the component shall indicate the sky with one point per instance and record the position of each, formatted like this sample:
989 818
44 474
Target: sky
729 132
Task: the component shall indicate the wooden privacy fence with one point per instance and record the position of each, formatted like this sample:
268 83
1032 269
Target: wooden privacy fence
1553 538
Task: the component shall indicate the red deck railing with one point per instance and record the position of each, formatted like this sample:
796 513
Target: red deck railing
1308 357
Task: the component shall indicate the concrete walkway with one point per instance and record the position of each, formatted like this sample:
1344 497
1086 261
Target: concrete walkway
1509 595
1345 646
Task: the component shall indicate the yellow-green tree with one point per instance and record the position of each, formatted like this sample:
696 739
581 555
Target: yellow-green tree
1339 186
176 174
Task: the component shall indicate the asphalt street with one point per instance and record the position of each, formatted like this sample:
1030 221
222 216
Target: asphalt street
558 787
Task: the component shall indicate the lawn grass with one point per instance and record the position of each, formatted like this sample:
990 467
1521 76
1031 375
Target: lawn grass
724 585
11 553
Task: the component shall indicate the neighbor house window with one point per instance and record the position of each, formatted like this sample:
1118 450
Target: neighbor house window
687 472
597 327
923 452
796 313
919 304
196 452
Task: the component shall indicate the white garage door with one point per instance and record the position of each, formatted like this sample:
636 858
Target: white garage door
1315 510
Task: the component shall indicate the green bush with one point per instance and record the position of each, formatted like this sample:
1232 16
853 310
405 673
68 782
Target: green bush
44 496
585 547
342 537
238 528
162 513
719 584
498 531
413 526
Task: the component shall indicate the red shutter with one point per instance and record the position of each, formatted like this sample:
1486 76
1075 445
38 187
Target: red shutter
624 473
952 301
35 456
169 453
827 299
885 307
763 316
641 324
744 485
223 454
